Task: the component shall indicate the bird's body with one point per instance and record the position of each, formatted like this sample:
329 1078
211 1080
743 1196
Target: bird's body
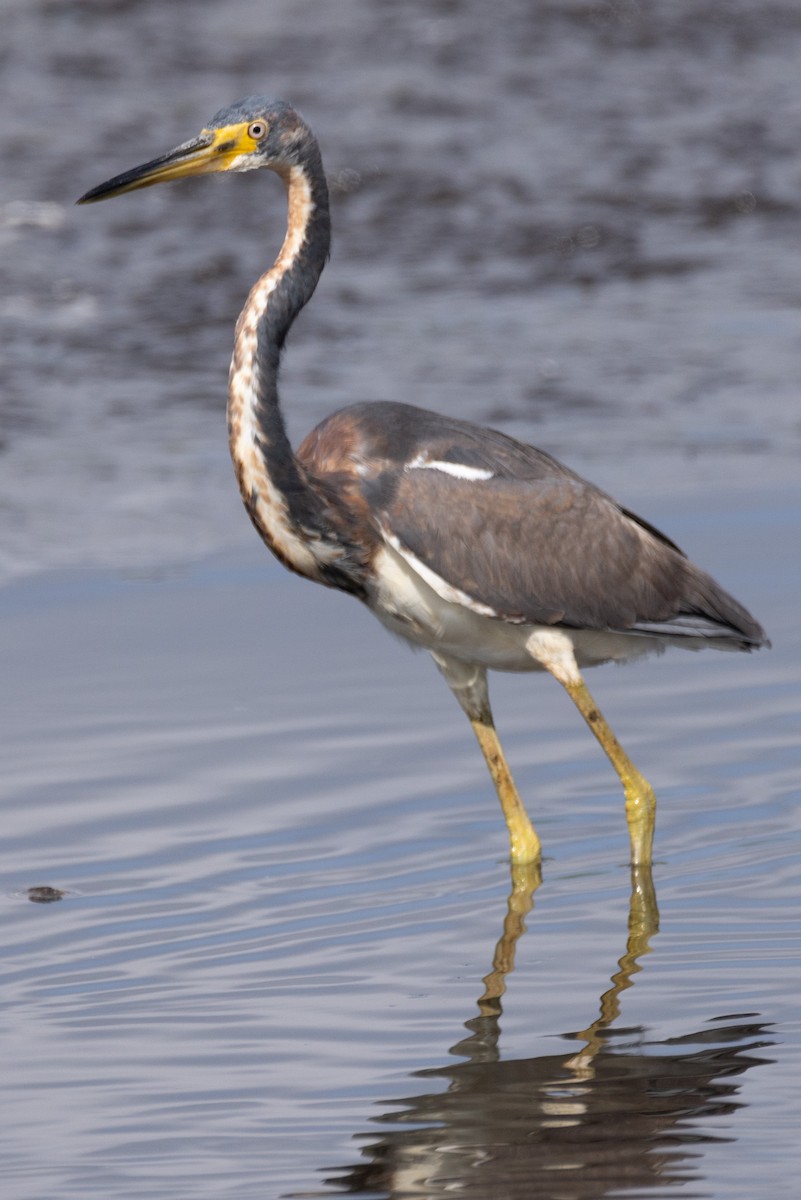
452 503
483 550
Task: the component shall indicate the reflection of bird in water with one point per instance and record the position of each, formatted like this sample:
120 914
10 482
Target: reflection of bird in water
483 550
623 1114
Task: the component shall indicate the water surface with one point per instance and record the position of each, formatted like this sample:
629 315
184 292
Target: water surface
289 958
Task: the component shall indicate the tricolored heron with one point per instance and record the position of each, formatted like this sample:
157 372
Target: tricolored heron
483 550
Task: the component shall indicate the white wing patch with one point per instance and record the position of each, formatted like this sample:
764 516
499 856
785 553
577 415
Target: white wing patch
438 585
456 469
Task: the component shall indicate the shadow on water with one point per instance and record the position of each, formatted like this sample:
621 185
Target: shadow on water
621 1114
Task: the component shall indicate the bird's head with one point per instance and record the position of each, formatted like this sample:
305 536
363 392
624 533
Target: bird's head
256 132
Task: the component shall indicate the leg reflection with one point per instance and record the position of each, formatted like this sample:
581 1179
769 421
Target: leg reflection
608 1118
643 925
482 1044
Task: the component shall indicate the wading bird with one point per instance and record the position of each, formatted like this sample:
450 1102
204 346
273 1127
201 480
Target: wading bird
486 552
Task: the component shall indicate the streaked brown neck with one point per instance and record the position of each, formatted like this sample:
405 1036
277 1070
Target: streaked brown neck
285 510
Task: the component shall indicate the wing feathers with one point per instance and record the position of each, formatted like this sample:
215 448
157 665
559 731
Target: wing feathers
549 552
511 529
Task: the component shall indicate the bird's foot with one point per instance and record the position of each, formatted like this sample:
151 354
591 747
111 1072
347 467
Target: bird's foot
641 817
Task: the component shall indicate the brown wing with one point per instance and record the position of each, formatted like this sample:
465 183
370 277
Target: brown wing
515 530
551 551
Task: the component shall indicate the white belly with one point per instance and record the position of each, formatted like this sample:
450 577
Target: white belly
409 606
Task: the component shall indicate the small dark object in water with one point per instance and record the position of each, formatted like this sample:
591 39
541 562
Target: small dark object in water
44 895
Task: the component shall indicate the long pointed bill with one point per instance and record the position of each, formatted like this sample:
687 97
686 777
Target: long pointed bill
213 150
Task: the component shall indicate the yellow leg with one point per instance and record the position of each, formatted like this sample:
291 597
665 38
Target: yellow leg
640 798
524 843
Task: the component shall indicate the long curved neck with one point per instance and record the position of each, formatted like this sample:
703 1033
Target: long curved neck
284 508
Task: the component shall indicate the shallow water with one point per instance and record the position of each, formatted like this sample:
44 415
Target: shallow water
281 865
283 879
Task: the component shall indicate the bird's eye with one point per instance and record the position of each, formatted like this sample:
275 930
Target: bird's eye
257 130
